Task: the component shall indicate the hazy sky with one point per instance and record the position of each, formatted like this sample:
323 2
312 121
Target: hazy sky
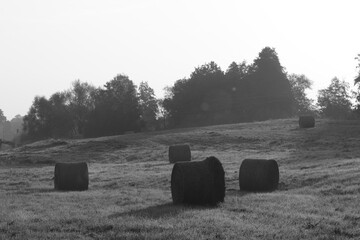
45 44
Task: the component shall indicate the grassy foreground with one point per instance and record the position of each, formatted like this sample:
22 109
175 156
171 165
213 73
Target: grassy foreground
129 193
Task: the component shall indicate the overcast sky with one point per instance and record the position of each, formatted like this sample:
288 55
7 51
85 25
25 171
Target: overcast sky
45 44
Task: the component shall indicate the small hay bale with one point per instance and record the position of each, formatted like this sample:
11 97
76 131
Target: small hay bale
306 122
198 182
258 175
179 153
71 176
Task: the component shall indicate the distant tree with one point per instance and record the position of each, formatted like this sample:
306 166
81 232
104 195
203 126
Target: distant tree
235 75
269 91
48 118
2 124
176 102
334 101
81 103
357 79
60 118
245 92
36 122
191 101
207 72
148 106
16 128
116 109
299 84
163 114
237 71
357 82
238 87
211 95
2 117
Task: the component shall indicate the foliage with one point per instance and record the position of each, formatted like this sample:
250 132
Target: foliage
299 84
243 93
81 103
356 82
36 123
60 118
148 106
334 101
2 117
48 118
271 95
191 101
116 110
163 114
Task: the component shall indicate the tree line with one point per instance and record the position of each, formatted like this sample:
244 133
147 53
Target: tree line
244 92
87 111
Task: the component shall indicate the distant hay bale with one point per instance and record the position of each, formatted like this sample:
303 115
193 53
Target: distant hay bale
71 176
198 182
179 153
306 122
258 175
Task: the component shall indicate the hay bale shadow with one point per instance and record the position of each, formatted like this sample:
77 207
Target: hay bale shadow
236 192
166 210
36 191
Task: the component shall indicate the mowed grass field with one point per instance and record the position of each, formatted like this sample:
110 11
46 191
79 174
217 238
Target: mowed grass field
129 193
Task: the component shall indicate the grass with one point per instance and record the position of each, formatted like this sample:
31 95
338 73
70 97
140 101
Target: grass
129 192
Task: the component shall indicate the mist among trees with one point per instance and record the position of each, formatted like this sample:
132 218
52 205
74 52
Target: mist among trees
10 130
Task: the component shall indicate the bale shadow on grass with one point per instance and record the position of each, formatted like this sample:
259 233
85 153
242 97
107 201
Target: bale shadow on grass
236 192
159 211
35 190
242 193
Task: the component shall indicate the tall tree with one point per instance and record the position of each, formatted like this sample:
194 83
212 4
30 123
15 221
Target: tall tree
48 118
2 123
81 103
357 79
16 125
36 122
116 109
357 82
148 106
334 101
299 84
60 118
191 101
238 86
237 71
2 117
269 87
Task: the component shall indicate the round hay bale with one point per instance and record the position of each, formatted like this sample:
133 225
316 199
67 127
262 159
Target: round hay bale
198 182
179 153
306 122
71 176
258 175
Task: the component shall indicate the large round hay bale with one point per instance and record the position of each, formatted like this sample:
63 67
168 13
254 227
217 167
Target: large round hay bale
179 153
258 175
306 122
198 182
71 176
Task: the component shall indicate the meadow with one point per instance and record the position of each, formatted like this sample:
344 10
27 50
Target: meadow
129 193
